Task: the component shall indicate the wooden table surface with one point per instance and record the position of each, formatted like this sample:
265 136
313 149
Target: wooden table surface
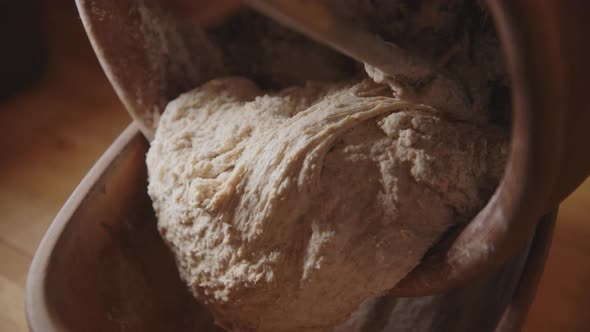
51 135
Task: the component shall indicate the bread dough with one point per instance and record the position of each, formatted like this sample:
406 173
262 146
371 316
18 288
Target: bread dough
286 210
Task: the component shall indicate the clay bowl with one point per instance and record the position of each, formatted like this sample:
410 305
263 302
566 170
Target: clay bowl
151 55
102 266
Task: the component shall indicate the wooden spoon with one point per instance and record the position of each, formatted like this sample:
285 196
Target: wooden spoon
548 159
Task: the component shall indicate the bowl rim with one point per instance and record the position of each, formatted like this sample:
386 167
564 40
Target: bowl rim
37 312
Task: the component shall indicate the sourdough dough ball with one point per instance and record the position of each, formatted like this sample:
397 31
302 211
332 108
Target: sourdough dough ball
286 210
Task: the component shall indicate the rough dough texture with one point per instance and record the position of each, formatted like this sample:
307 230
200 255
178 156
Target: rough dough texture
286 210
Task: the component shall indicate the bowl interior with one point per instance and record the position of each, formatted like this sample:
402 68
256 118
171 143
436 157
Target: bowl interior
109 270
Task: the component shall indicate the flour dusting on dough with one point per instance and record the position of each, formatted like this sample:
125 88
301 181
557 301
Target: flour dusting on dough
287 210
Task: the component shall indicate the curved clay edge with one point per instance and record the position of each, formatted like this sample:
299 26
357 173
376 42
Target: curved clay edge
38 316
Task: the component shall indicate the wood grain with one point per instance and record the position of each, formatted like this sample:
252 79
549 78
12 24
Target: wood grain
49 137
52 135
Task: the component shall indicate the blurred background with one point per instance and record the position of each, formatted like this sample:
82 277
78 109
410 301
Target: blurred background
58 114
